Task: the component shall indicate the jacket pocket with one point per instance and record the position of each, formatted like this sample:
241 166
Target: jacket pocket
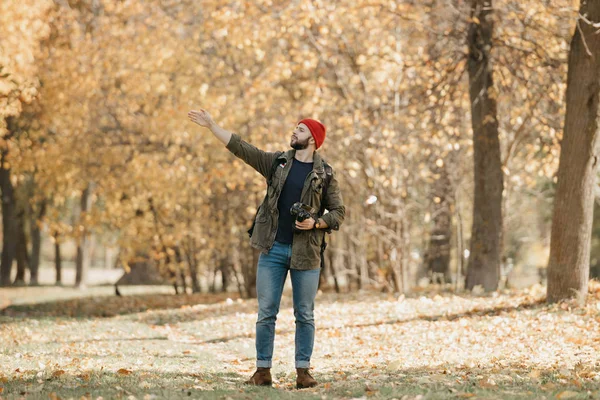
316 237
261 215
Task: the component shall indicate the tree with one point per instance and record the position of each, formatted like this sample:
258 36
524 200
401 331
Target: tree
387 78
23 24
569 263
9 220
486 234
82 261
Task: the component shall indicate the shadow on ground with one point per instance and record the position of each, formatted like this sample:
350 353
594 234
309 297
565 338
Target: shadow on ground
434 383
157 309
477 312
110 306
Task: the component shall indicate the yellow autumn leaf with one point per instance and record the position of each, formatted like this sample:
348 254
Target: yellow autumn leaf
535 374
124 371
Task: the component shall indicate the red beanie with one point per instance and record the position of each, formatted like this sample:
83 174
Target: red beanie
317 130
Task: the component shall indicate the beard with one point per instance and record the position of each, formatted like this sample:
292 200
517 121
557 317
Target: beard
298 145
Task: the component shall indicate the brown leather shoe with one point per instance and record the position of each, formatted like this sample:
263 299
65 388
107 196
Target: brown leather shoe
304 379
262 377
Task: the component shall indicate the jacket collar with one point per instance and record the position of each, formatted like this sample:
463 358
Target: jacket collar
318 166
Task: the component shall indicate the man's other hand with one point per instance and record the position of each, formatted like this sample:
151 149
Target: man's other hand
305 225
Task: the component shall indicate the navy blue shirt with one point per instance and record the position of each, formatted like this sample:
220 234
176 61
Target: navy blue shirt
290 194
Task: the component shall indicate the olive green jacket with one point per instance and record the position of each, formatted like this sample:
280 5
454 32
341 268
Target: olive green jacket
306 246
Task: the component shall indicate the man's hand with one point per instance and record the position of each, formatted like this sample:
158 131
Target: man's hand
204 119
201 117
305 225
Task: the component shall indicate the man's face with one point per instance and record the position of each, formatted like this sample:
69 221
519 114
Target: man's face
301 138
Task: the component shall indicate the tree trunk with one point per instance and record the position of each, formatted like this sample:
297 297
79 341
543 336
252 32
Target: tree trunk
225 273
212 285
332 265
403 258
438 252
193 266
181 274
83 246
486 234
81 262
21 251
351 262
250 275
57 261
179 269
36 244
248 267
211 280
363 264
396 266
337 262
460 265
237 268
9 221
570 239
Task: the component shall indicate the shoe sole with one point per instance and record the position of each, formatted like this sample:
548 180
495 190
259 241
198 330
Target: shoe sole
270 384
304 387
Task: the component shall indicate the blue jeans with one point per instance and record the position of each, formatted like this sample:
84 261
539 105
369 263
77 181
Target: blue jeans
270 278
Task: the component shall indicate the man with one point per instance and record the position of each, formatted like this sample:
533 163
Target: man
297 175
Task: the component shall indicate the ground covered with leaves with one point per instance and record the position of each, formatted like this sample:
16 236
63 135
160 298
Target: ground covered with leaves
368 346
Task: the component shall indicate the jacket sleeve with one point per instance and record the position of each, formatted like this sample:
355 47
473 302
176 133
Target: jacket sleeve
335 205
260 160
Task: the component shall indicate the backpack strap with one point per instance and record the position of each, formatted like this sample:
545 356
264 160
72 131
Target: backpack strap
326 181
273 168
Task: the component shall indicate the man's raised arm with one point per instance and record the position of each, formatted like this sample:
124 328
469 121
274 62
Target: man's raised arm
260 160
204 119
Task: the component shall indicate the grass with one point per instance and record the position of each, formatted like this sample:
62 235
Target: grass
368 345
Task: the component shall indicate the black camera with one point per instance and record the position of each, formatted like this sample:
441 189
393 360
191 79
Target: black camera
302 211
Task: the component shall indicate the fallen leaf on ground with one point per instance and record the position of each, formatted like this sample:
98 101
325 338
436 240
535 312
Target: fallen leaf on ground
535 374
567 394
487 383
124 371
